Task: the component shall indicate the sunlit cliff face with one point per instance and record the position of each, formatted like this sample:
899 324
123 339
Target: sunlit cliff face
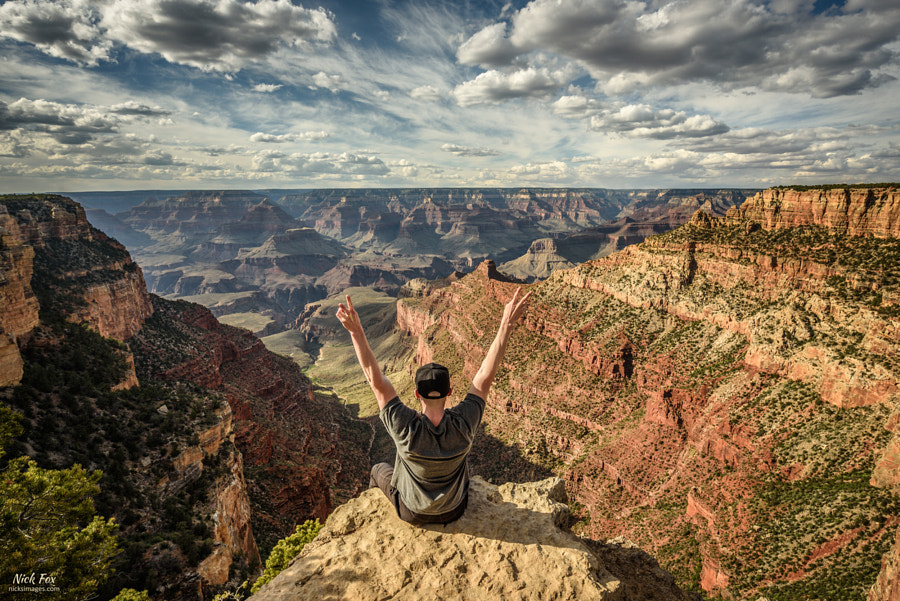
718 392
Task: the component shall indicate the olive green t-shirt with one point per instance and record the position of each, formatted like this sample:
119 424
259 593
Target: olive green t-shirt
430 471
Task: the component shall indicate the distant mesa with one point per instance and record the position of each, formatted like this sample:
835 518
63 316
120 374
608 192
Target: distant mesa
223 242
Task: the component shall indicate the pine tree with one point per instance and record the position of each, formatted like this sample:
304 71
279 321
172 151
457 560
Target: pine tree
48 526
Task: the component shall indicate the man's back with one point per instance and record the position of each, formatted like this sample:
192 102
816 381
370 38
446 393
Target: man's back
430 472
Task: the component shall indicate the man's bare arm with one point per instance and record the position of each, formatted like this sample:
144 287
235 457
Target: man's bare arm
514 309
381 386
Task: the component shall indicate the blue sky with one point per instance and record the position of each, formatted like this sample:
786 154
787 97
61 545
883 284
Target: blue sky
131 94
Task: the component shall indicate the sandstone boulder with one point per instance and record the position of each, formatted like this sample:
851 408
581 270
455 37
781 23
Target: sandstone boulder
511 543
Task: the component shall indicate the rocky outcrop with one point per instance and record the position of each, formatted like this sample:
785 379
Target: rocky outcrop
233 531
72 260
46 242
540 261
510 543
193 213
11 364
116 309
20 307
853 211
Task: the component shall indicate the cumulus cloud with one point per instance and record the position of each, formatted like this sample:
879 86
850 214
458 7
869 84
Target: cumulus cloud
67 30
320 163
426 93
329 82
494 86
136 109
489 48
643 121
11 145
576 106
277 139
158 158
625 45
222 35
65 123
267 88
466 151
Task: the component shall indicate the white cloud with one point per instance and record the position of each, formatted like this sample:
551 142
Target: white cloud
64 30
223 35
489 47
426 93
738 44
642 120
329 82
494 86
267 88
65 123
277 139
465 151
137 109
750 141
576 106
320 163
11 145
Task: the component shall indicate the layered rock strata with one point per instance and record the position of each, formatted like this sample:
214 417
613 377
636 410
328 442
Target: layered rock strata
852 211
212 246
702 392
302 454
102 286
510 544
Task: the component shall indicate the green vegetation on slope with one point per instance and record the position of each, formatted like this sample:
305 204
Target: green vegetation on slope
865 267
49 526
73 417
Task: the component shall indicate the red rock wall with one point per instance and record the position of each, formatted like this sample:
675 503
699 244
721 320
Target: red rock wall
685 430
854 211
292 442
116 308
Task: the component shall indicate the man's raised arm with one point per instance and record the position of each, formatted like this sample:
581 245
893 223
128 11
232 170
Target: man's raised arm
514 309
381 386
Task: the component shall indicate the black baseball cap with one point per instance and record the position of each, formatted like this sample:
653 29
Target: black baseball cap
433 381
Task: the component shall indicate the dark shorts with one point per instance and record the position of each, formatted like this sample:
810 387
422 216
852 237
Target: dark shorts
381 477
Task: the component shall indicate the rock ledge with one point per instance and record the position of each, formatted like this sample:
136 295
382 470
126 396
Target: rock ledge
510 544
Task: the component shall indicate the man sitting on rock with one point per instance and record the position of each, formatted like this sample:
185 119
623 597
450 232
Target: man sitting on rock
429 482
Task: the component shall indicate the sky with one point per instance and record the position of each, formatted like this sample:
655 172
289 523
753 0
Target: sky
167 94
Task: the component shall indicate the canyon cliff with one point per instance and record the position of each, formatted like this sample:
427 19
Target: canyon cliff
722 394
302 452
89 277
212 448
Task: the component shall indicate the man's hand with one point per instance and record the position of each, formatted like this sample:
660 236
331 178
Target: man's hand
515 308
484 377
348 317
381 386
